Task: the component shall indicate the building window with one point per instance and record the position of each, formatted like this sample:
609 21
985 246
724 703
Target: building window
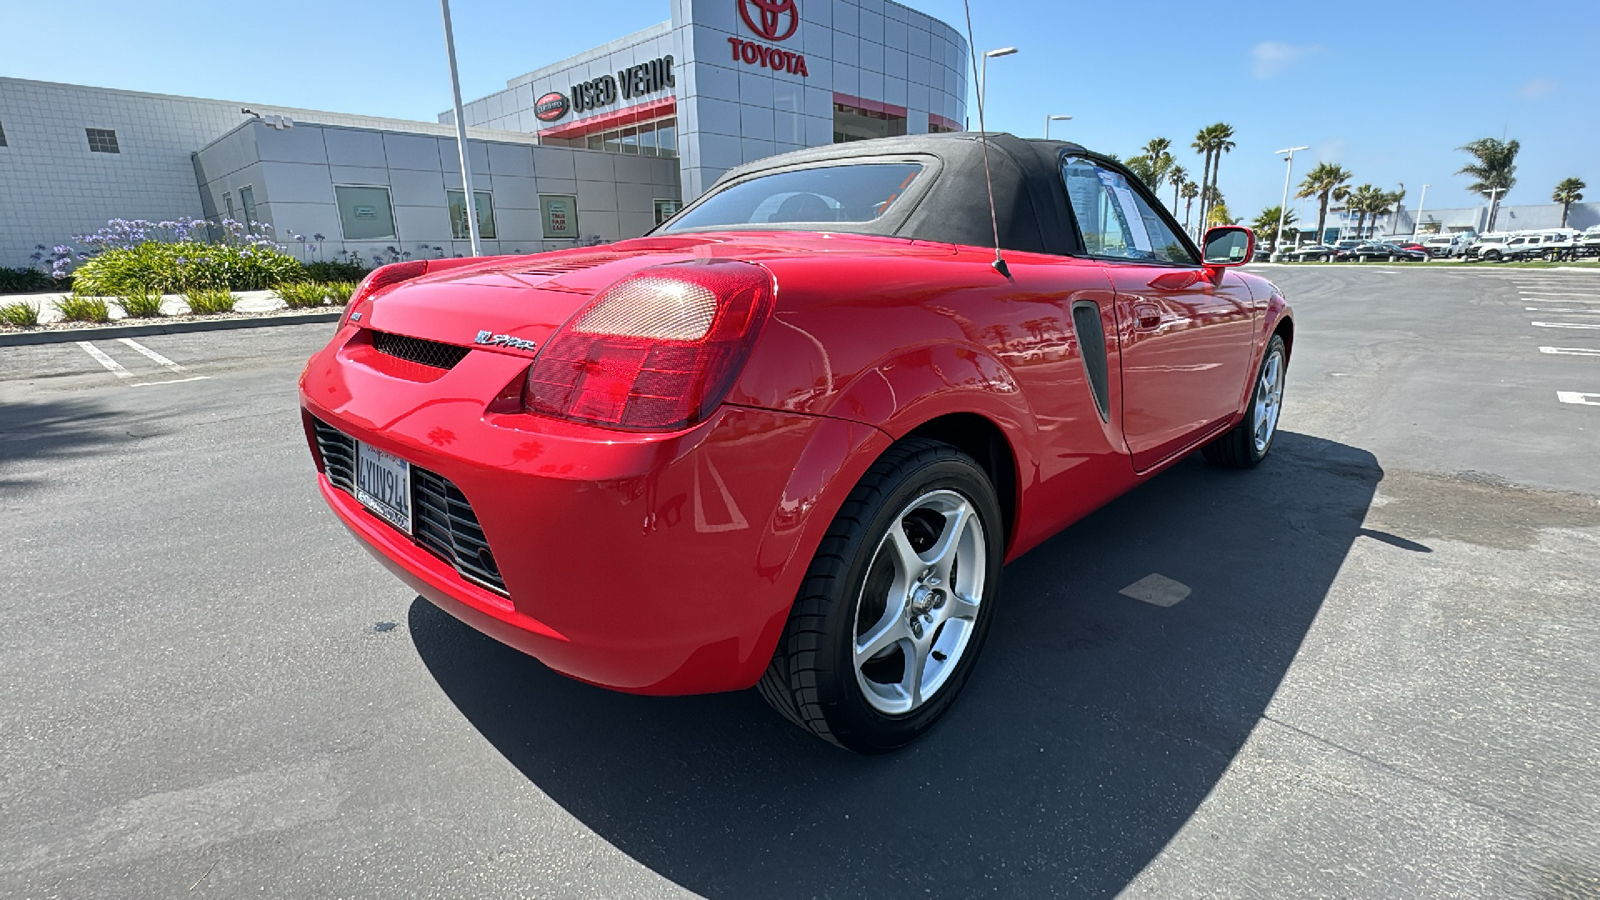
460 229
2 135
666 209
227 201
365 212
247 199
656 138
560 214
855 123
938 124
102 140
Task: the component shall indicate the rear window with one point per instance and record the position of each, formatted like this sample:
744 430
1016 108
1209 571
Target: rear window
859 192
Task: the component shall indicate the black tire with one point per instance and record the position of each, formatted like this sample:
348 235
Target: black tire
1492 256
812 678
1237 448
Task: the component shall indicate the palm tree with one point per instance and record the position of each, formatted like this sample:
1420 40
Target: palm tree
1203 145
1494 172
1327 180
1365 201
1190 191
1219 214
1266 224
1568 192
1176 176
1222 140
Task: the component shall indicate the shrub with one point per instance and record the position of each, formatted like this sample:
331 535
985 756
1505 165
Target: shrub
19 313
206 301
140 304
303 294
83 309
27 281
174 267
339 291
335 270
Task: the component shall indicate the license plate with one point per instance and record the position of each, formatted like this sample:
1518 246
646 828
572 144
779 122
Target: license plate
383 485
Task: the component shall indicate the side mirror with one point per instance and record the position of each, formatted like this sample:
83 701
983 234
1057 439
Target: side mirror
1228 245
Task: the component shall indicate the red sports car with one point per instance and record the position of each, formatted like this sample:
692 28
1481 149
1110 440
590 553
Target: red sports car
789 438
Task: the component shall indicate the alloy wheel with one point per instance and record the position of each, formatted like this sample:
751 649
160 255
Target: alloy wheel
919 605
1269 401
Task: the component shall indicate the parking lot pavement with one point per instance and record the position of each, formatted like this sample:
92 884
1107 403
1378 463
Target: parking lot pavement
1366 668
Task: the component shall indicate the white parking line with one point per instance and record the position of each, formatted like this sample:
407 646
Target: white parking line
1544 295
1576 397
151 354
100 357
1570 351
1566 325
172 381
1593 311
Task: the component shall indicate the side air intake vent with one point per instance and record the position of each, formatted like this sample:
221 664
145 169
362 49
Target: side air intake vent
1092 346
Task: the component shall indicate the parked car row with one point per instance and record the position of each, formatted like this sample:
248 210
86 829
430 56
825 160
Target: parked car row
1550 244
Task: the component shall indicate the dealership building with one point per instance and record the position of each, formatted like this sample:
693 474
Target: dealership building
597 147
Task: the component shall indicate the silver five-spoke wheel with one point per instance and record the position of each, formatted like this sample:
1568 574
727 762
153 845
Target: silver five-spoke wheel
1269 400
918 607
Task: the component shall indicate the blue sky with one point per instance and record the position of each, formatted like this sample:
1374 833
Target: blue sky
1387 91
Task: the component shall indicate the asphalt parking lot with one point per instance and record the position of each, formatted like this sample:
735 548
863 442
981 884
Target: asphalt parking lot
1384 680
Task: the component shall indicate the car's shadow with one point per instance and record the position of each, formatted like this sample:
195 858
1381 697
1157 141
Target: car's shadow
1092 729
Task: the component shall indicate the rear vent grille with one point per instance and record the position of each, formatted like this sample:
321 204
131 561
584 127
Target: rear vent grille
445 523
417 350
576 264
442 520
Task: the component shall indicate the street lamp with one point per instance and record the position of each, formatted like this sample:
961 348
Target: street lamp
461 133
1283 207
1494 198
1416 224
1048 120
983 70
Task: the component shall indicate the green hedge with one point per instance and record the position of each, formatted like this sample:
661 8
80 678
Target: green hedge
29 281
176 267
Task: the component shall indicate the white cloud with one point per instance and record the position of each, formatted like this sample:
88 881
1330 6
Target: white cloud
1538 88
1269 59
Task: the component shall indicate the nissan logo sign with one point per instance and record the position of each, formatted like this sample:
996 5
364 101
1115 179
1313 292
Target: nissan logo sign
550 107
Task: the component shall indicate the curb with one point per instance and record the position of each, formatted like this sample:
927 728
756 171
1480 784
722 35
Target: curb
102 332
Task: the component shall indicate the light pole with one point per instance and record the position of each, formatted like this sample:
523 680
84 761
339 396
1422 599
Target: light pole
1048 120
1416 224
983 70
1283 207
461 133
1494 199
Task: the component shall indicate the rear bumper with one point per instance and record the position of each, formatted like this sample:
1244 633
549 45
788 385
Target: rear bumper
646 563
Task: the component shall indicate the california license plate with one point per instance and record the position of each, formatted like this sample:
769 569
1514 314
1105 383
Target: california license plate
383 485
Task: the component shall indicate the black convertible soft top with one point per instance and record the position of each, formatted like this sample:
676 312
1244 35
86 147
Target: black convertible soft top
953 206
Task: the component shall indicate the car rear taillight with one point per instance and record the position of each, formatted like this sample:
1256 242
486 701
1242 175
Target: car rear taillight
656 351
380 278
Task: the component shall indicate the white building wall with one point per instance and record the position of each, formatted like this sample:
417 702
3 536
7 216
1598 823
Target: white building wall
292 175
52 186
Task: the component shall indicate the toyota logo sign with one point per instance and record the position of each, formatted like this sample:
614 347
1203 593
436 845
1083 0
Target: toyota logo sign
768 17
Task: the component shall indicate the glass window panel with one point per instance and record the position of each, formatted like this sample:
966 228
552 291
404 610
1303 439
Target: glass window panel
594 142
630 140
1115 221
858 192
365 212
459 227
647 139
667 137
611 142
560 215
247 198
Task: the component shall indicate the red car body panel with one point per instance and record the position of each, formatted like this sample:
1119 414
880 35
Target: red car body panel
667 563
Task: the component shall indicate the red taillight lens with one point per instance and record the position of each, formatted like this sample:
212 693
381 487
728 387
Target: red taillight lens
380 278
656 351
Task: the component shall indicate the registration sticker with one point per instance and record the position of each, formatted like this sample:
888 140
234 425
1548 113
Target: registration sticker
383 485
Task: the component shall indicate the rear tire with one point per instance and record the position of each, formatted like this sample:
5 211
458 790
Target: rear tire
875 651
1248 443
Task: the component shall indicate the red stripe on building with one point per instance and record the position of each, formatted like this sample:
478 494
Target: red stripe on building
655 109
887 109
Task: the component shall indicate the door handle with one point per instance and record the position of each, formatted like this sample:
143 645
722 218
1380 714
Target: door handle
1147 316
